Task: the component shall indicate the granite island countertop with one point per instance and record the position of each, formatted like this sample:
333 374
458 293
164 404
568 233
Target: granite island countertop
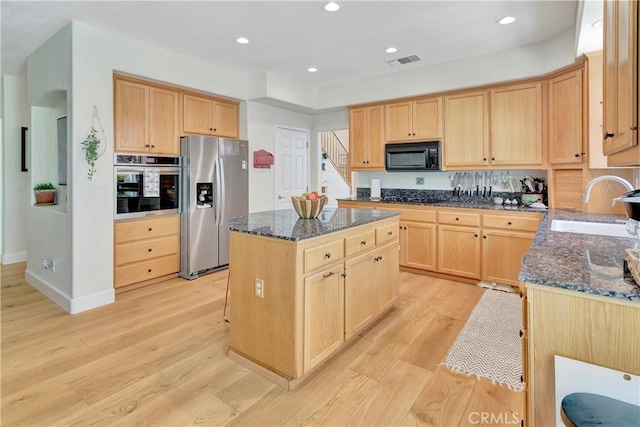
581 262
287 225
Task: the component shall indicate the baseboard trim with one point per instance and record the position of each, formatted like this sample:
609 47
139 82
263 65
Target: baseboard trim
14 258
70 305
54 294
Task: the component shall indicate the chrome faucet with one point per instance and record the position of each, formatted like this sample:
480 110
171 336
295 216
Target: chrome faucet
594 181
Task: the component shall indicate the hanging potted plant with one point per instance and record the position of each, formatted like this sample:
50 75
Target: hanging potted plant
45 193
90 147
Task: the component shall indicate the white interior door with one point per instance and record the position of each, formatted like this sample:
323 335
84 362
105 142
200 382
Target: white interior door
292 165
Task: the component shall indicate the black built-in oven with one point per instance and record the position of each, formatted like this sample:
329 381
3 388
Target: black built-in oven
146 185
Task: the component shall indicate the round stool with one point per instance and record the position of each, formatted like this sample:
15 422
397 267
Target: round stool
588 409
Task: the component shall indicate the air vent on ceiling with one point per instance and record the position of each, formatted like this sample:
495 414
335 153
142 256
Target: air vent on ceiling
405 60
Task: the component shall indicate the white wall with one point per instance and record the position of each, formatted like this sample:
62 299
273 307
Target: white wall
16 188
262 123
49 231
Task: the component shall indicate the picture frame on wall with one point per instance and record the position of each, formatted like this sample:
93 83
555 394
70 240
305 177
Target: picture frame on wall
62 150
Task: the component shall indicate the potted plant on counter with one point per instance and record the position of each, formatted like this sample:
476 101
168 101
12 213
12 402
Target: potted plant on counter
45 193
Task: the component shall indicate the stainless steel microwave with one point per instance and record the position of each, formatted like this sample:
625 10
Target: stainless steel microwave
413 156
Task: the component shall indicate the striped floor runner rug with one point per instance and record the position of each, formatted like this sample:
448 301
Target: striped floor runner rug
489 345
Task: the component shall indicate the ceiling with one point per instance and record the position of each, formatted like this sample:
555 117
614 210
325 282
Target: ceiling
287 37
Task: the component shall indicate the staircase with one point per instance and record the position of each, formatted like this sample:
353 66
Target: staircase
333 150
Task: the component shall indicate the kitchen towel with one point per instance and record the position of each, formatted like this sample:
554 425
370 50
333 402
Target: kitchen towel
151 182
375 189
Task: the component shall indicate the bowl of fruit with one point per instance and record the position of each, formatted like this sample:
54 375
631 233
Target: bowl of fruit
308 205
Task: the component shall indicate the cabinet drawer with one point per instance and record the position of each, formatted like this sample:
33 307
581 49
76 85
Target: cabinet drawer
459 218
323 255
510 223
144 250
146 270
387 233
127 231
360 242
417 215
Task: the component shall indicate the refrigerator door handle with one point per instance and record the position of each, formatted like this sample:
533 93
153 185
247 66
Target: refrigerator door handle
218 179
223 196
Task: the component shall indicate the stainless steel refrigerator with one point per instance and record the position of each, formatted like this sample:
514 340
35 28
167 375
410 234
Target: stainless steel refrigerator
215 188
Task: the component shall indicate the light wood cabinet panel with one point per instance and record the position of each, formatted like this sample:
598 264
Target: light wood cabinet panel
459 251
140 251
360 243
146 249
146 118
459 217
512 222
416 120
516 125
131 116
398 126
323 315
386 276
418 245
566 118
502 253
466 130
141 271
360 299
621 81
322 255
593 329
385 234
209 116
164 137
366 138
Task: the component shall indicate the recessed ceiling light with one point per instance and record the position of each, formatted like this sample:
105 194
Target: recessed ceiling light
312 69
331 6
391 50
506 20
597 24
242 40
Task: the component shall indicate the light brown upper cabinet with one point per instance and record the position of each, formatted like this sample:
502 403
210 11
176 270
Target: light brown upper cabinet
416 120
209 116
466 129
566 118
146 118
621 83
366 137
517 125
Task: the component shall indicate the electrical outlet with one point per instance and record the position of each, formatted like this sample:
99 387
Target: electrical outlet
420 180
259 288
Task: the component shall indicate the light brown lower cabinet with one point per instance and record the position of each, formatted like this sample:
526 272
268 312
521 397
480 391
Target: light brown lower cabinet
459 251
146 249
502 253
418 245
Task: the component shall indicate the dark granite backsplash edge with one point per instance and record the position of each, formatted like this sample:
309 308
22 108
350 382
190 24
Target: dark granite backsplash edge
432 196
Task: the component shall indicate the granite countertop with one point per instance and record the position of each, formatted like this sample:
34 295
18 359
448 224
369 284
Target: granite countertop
287 225
580 262
450 204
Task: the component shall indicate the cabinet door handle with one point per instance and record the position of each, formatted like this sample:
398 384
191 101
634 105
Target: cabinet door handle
149 271
634 128
608 135
484 159
521 379
329 274
457 219
146 145
509 223
153 146
484 237
150 229
215 129
327 255
521 333
493 158
475 235
390 233
364 242
150 249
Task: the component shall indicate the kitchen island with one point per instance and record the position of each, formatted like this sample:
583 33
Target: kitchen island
578 304
301 288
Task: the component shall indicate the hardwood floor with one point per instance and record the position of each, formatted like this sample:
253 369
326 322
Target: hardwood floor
158 357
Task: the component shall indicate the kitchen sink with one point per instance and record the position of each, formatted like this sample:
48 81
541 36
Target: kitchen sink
598 228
